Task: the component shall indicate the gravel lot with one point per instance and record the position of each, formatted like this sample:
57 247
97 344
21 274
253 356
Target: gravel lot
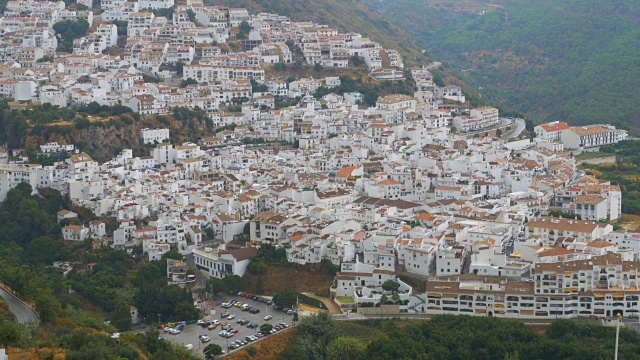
190 333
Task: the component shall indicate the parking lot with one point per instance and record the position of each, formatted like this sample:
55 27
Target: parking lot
189 335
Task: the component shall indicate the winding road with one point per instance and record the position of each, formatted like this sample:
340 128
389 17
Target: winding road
520 125
20 310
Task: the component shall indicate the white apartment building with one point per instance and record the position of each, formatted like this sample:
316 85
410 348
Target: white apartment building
550 132
150 136
591 136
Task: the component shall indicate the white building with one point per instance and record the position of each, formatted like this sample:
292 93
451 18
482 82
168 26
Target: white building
222 263
151 136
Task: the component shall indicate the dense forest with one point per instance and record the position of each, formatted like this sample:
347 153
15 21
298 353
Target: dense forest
573 60
457 337
73 309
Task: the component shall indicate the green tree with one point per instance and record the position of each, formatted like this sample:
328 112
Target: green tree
121 317
285 298
245 27
390 285
191 15
187 82
212 350
173 254
43 249
47 306
10 333
232 282
215 285
68 31
259 287
345 348
266 327
179 68
45 59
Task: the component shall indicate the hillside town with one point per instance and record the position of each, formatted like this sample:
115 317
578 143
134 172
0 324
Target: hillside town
424 185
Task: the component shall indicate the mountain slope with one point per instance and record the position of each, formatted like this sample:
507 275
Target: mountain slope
344 15
574 60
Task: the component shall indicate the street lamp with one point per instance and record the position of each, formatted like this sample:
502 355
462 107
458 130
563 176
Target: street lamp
159 320
617 336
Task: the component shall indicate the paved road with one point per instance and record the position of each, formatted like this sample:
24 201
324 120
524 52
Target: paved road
22 312
520 125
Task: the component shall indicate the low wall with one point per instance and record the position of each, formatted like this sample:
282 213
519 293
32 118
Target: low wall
383 309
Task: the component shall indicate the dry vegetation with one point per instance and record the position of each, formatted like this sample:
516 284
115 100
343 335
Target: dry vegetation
267 349
295 278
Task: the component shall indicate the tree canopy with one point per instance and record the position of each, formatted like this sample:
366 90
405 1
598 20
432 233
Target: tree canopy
285 298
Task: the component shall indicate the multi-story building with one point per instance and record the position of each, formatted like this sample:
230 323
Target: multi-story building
150 136
550 132
221 263
598 286
591 136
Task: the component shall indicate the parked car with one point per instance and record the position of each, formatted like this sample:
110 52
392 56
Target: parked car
252 325
216 322
269 302
224 314
231 317
283 325
180 327
174 331
212 326
268 317
205 338
234 331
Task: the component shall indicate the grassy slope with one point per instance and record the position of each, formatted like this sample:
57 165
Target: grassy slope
553 59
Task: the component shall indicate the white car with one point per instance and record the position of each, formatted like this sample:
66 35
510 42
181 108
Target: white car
222 333
205 338
166 329
268 317
230 317
217 322
224 305
174 331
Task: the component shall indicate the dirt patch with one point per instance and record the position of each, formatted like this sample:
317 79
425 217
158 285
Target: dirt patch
298 278
630 221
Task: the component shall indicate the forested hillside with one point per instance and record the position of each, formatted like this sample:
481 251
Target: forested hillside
455 337
574 60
